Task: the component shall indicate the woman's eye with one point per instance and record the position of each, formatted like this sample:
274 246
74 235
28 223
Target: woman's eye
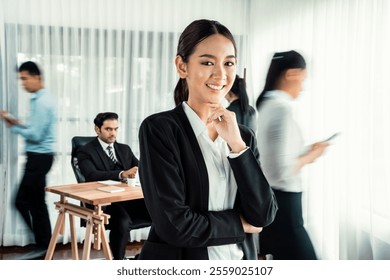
207 63
229 63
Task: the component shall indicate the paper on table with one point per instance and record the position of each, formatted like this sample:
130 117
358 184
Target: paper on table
111 189
110 182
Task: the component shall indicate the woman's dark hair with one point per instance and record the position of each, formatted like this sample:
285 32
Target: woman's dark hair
101 117
281 62
239 89
192 35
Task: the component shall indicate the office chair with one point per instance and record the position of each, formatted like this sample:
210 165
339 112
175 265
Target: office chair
77 142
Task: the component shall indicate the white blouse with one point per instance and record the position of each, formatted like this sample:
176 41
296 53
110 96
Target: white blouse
280 142
222 184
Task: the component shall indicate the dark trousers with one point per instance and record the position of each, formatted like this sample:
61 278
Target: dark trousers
30 199
125 216
286 238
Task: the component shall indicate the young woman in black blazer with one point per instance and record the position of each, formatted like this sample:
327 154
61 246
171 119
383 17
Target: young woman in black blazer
199 169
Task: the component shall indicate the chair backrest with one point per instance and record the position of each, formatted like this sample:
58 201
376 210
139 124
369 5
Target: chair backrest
77 142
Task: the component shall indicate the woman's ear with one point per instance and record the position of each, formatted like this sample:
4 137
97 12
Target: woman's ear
181 67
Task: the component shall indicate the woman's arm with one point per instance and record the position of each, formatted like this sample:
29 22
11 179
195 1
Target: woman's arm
257 202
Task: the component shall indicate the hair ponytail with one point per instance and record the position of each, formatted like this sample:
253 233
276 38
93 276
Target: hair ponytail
239 89
181 91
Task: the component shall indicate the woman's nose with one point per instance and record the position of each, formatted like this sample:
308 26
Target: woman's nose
219 72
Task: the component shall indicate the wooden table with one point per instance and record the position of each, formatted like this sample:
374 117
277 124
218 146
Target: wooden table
95 218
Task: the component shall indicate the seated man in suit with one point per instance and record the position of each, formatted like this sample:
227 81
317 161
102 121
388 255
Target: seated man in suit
105 159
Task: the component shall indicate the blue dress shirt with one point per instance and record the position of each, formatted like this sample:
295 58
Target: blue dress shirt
40 129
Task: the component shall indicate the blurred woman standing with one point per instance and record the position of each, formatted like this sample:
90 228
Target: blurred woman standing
282 156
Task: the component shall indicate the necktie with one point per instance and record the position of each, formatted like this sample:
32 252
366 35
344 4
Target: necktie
111 154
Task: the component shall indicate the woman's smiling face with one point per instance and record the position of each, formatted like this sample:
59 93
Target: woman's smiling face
210 70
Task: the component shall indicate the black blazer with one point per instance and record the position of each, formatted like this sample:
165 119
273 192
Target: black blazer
95 164
175 184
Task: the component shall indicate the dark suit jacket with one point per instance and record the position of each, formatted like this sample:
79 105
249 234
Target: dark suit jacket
175 184
95 165
248 118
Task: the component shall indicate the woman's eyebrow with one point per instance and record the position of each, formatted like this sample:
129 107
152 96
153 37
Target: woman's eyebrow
213 56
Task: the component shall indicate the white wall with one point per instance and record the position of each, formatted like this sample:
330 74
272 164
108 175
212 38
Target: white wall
172 15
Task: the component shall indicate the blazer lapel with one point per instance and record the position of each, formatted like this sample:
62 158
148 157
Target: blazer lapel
201 165
100 153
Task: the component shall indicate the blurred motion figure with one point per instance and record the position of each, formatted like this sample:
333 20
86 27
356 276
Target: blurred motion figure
39 133
282 156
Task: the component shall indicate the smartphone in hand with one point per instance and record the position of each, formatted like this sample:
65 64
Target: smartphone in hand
331 137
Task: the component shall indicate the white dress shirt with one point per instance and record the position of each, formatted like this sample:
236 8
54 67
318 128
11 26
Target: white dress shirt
222 184
280 142
104 147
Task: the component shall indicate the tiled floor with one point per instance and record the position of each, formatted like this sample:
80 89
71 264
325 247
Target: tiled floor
63 252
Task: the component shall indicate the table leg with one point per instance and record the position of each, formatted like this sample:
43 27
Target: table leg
97 229
73 238
63 202
88 237
106 247
97 236
56 233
